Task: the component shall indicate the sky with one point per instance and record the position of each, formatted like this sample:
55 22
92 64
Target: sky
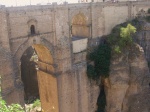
33 2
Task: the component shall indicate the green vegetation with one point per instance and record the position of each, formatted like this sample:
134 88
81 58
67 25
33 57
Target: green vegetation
37 103
101 57
9 108
16 107
117 42
33 106
120 39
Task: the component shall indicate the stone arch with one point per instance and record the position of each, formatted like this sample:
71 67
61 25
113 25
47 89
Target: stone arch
79 19
47 81
79 26
29 42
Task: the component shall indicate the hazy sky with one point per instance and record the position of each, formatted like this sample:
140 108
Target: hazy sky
33 2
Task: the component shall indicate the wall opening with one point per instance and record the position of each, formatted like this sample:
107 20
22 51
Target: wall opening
32 30
101 101
29 75
37 74
79 26
80 32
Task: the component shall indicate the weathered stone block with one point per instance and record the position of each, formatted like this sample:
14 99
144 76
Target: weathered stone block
79 57
79 44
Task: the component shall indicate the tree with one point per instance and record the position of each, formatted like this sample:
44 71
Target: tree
126 35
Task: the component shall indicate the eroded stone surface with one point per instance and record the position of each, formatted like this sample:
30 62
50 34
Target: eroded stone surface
53 30
129 76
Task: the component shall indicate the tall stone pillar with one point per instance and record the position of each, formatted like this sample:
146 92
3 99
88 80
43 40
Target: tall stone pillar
9 92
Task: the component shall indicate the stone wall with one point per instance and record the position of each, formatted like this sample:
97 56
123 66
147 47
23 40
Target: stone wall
53 29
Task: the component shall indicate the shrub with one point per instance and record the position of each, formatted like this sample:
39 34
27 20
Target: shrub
126 35
9 108
119 39
36 103
122 39
101 57
91 72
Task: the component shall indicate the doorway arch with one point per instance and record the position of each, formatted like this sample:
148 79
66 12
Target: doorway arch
41 58
29 75
79 26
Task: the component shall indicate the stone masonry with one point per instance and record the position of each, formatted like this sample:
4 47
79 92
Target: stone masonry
54 27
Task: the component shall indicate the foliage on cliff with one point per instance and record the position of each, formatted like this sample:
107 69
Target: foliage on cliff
119 40
116 43
101 58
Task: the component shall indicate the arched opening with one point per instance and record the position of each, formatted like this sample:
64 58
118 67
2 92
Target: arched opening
32 29
37 74
29 75
79 26
80 32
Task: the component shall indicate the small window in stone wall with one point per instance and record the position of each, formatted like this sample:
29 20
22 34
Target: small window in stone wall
32 29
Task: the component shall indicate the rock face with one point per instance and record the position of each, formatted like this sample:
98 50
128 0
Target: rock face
129 79
140 102
142 38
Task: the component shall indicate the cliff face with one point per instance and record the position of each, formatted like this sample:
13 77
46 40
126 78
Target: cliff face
143 39
129 79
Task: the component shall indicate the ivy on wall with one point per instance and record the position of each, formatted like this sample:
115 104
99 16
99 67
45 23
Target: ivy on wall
101 57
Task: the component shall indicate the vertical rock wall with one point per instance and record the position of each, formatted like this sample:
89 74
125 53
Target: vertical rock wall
143 39
129 76
9 91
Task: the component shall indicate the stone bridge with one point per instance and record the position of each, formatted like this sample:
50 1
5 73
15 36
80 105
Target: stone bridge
59 35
